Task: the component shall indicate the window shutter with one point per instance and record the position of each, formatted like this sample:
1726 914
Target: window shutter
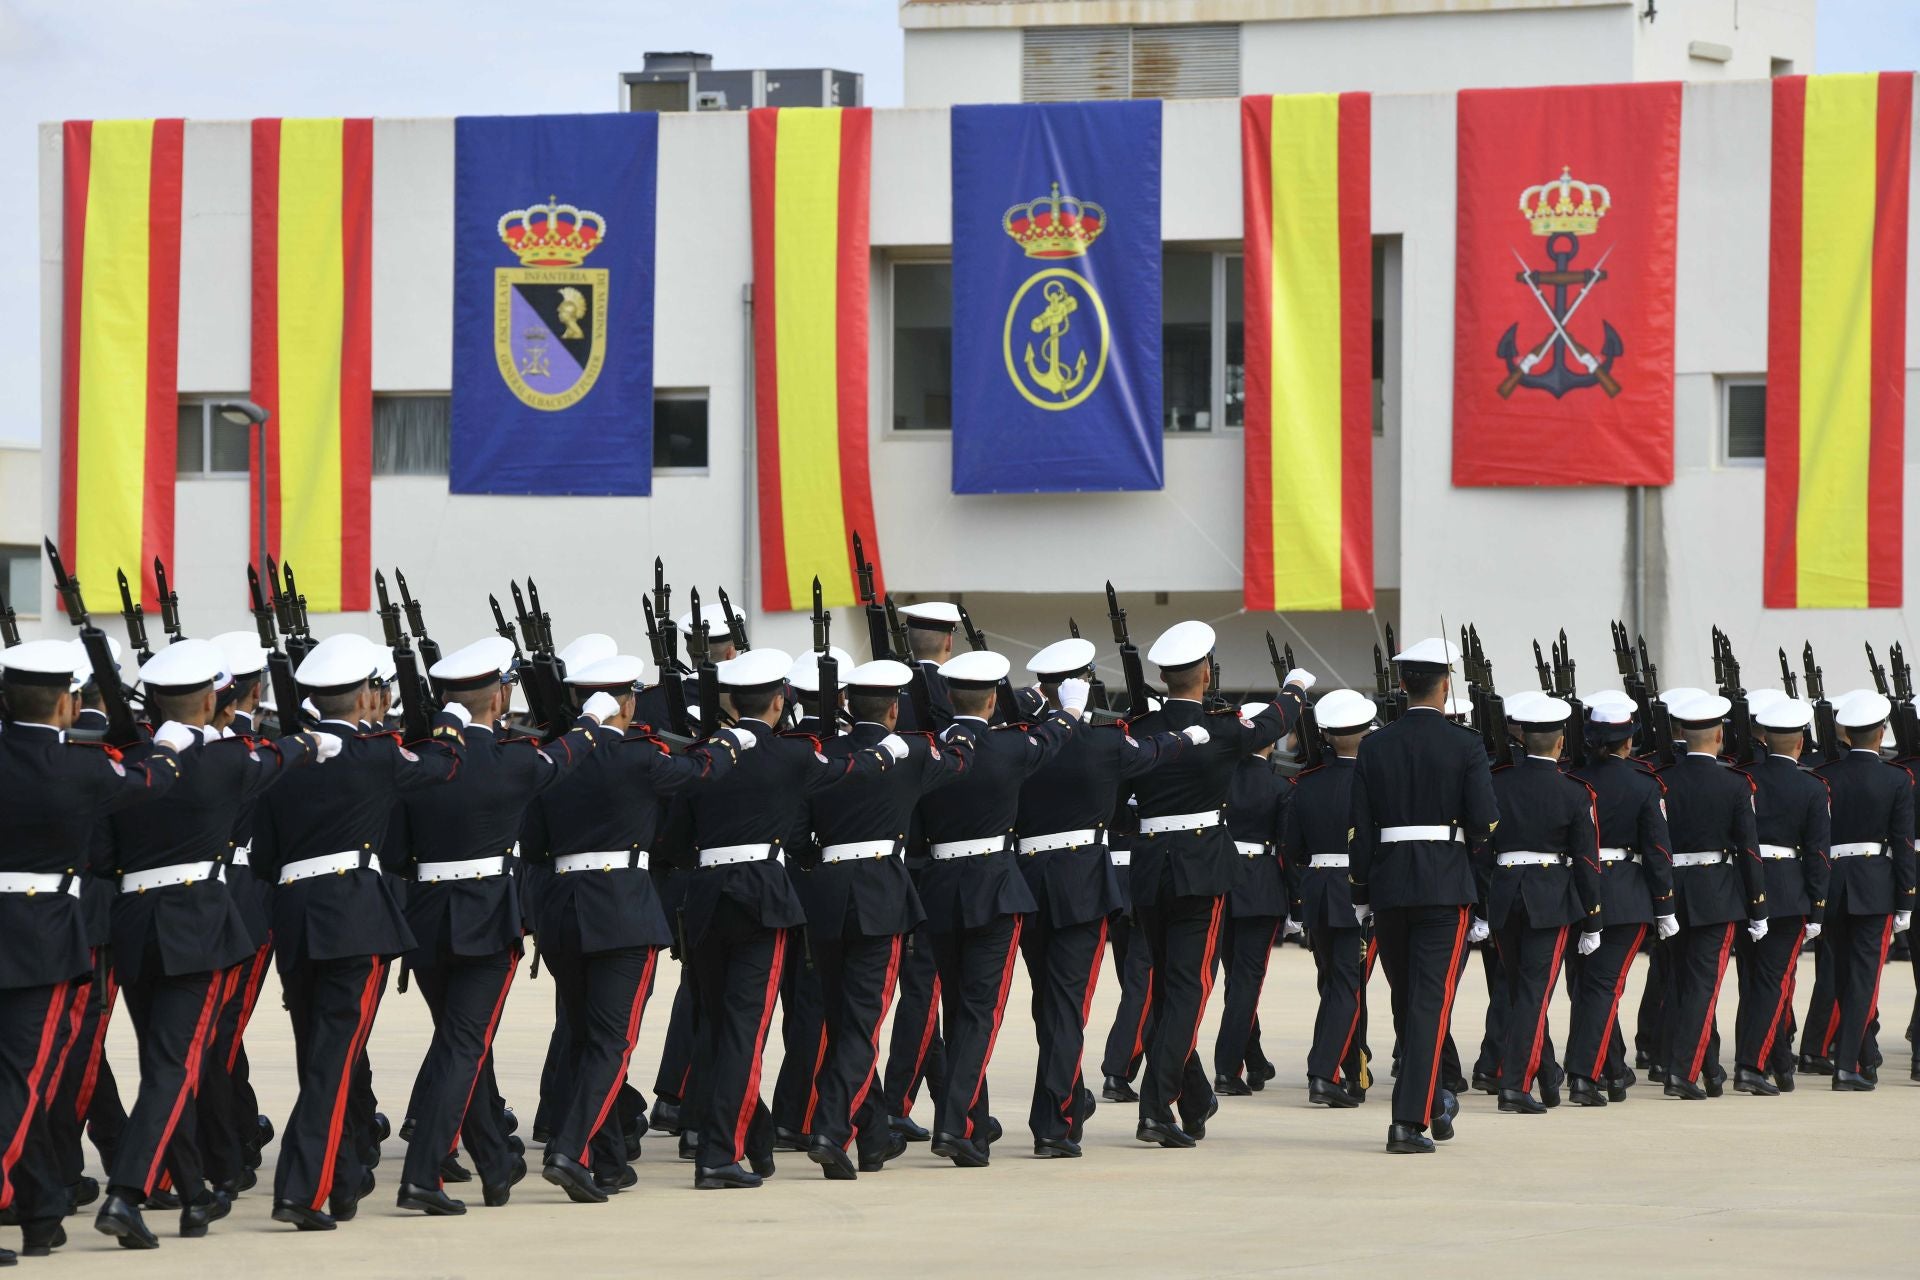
1073 64
1187 61
1747 420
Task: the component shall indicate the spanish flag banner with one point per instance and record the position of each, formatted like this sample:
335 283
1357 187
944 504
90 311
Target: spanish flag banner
312 350
119 343
1309 345
810 171
1836 340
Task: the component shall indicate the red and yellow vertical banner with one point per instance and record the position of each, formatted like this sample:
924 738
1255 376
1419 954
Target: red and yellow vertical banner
119 346
1309 344
312 350
811 170
1836 340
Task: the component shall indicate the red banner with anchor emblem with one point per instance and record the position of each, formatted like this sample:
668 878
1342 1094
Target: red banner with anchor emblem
1568 204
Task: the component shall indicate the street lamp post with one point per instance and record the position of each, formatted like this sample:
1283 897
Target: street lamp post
245 413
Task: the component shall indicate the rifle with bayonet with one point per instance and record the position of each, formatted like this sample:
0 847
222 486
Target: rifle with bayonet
1726 667
878 642
1096 688
121 730
1394 689
902 651
699 652
1490 709
1542 670
414 696
1384 704
543 698
826 703
1788 680
169 602
1565 688
669 633
299 634
1826 728
286 690
560 692
672 687
736 625
1306 730
9 623
427 647
1880 684
1006 705
1129 657
1659 720
135 618
1906 718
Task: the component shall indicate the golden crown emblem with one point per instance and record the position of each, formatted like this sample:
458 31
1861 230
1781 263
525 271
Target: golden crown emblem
1055 226
1553 210
552 234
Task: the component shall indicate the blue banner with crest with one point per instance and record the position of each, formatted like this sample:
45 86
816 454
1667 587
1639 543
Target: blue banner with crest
553 304
1056 297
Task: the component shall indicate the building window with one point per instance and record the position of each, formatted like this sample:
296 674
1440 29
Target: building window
411 434
1187 340
680 430
922 346
209 445
1073 64
1743 419
20 575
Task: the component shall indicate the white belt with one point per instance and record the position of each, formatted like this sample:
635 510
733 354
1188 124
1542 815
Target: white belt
1180 822
163 877
1121 857
1060 840
727 855
327 864
242 855
1323 860
1781 852
612 860
857 849
1519 859
1859 849
1619 855
1399 835
465 869
1250 848
32 882
952 849
1712 858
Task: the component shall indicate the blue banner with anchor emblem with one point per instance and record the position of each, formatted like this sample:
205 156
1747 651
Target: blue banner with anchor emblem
553 304
1056 297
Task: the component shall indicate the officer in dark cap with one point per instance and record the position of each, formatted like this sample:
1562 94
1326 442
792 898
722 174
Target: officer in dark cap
1061 824
1545 884
52 793
1718 883
176 932
1257 916
1423 818
1313 850
337 923
1791 809
1184 865
1636 894
1870 896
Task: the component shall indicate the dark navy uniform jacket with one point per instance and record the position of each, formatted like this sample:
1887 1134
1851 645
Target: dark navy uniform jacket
939 701
611 803
250 893
1421 770
968 893
1629 801
1791 808
1256 811
345 806
1544 811
52 793
1074 791
872 896
1197 861
1710 810
190 928
1872 804
1314 822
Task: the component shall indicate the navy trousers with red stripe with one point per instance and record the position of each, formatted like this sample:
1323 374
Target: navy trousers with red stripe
915 1051
1696 960
1344 961
603 994
1133 966
465 995
1595 1049
1530 962
1857 945
173 1017
1421 949
332 1004
736 966
1063 969
88 1095
1247 949
803 1040
228 1107
976 974
35 1032
1182 932
857 973
1763 1028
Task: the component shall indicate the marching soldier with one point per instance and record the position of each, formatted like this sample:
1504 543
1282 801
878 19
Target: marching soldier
52 793
1423 818
1132 967
1258 908
1184 864
1061 824
1313 849
1870 897
1793 824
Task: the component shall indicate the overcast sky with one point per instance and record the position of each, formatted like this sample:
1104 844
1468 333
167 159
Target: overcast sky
220 59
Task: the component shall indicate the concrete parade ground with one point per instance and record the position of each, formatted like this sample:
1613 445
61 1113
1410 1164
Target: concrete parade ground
1809 1184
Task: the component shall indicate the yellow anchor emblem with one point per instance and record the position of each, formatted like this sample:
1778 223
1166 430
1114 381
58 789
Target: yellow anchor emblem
1053 322
1050 381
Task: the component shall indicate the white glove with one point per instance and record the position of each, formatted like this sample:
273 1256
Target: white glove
1198 736
459 712
1902 921
602 706
1073 695
1292 928
1666 926
1478 930
1756 929
325 747
895 746
175 735
1362 912
1813 930
1589 943
1300 678
742 739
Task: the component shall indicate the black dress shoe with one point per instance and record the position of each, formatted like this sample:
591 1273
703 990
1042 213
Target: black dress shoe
1657 1074
1753 1082
1405 1140
1266 1071
451 1170
1197 1129
301 1216
1232 1086
1642 1059
874 1160
1690 1090
120 1218
1851 1082
1325 1093
689 1148
665 1117
1783 1081
1871 1070
726 1178
516 1145
762 1165
8 1258
990 1133
1161 1133
1083 1113
1913 1072
262 1132
509 1122
39 1237
1583 1092
1056 1149
1358 1094
964 1152
161 1200
906 1127
432 1201
196 1217
1114 1089
381 1129
495 1196
1486 1083
627 1177
83 1193
630 1141
1440 1123
406 1130
542 1135
1454 1084
832 1159
573 1178
1549 1093
1521 1102
343 1206
1812 1064
790 1140
1714 1085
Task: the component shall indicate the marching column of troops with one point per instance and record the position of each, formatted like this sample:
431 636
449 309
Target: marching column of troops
887 838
